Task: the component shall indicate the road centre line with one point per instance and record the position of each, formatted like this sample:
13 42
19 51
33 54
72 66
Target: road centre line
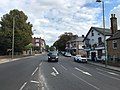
108 72
23 86
86 81
34 71
63 67
55 70
108 76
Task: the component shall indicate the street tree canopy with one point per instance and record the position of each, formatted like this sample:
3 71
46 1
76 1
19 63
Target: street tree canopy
60 44
22 29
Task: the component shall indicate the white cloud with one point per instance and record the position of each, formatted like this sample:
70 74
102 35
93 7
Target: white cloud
51 18
116 11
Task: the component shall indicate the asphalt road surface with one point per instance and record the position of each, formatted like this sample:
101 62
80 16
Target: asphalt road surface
35 73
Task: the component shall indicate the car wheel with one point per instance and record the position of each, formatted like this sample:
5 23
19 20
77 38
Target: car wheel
48 60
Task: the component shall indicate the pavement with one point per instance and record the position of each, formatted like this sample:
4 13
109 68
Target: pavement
103 65
5 60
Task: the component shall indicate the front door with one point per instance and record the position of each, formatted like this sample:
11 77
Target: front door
93 56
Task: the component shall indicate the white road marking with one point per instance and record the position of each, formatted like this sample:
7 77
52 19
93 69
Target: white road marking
113 73
108 72
36 82
63 67
23 86
83 71
53 73
109 76
34 71
86 81
55 70
40 64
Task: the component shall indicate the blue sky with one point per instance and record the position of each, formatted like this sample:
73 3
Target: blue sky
51 18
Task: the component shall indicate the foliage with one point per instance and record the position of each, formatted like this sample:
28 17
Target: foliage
29 46
60 44
22 29
47 48
52 48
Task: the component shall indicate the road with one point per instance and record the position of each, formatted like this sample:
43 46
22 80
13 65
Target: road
36 73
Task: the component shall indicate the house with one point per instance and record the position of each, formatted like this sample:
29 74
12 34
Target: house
38 45
94 43
113 42
74 46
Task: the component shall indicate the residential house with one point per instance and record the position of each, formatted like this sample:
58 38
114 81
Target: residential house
94 43
113 42
74 46
38 45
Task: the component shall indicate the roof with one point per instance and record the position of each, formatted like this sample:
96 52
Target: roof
107 31
77 39
115 36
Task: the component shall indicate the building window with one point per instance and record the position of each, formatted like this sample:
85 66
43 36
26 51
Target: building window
37 40
99 40
99 54
37 44
92 34
114 44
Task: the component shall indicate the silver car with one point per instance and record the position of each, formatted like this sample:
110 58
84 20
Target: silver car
79 58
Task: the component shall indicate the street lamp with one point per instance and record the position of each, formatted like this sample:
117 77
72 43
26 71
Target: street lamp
103 9
34 42
13 37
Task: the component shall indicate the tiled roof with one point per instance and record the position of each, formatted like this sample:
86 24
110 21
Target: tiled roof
115 36
107 32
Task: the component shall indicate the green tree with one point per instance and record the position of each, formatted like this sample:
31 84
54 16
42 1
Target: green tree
23 31
47 47
60 44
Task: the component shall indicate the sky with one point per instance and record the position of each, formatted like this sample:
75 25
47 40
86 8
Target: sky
51 18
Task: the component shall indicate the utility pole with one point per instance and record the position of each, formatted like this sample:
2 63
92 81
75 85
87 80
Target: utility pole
13 37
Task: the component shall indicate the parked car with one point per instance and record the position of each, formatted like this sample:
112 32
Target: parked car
79 58
68 54
53 56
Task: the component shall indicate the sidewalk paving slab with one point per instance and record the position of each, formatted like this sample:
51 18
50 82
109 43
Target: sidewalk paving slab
103 65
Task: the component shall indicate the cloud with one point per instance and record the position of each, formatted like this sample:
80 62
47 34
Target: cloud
116 11
51 18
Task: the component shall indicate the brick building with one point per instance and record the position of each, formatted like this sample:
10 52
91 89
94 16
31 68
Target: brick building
113 43
38 45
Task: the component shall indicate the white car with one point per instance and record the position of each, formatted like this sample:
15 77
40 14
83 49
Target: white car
68 54
79 58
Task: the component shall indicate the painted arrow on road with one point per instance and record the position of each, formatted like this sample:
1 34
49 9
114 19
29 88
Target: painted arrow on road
55 73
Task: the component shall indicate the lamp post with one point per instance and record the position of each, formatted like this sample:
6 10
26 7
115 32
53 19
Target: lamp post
13 37
34 42
103 9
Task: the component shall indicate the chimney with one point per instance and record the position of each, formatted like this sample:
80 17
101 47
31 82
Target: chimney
83 36
113 24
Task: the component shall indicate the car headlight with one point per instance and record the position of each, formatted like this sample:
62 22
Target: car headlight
56 57
48 57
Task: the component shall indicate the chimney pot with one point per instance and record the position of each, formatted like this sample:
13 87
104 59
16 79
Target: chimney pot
111 15
114 15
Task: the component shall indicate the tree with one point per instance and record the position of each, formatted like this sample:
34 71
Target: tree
23 31
60 44
47 47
